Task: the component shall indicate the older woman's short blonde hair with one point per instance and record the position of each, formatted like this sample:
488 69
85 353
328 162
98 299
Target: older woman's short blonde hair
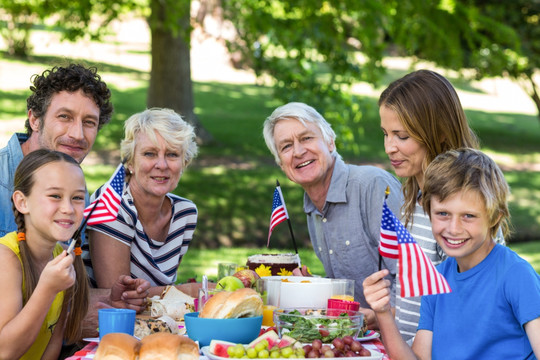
176 132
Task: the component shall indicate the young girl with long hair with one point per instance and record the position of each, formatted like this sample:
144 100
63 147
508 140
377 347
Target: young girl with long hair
45 289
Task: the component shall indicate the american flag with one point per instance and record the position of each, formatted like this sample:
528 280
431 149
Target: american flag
417 274
388 245
279 211
108 201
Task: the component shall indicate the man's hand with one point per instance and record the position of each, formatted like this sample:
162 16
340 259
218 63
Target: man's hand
129 293
301 271
371 319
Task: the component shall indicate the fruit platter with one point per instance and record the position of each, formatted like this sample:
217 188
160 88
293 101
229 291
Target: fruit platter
270 346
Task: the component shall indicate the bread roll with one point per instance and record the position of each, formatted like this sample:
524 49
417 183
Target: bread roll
230 305
117 346
167 346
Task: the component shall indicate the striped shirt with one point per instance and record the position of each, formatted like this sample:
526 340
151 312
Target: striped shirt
152 260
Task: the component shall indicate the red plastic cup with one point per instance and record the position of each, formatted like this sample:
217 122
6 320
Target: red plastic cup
338 306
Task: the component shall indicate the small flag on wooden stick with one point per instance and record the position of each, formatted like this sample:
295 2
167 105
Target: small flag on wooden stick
279 214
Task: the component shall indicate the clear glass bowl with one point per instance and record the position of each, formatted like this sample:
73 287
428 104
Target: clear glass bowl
306 325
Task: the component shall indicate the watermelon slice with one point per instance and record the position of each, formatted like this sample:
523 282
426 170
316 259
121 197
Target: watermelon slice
219 347
288 341
270 336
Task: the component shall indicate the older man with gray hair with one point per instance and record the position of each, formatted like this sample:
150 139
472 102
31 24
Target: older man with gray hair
343 202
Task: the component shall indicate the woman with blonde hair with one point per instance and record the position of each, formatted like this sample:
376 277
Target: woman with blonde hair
154 227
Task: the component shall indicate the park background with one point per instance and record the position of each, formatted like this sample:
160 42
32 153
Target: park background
233 178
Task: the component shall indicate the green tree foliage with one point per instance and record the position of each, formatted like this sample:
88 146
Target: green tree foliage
169 22
489 37
77 19
315 49
522 60
18 18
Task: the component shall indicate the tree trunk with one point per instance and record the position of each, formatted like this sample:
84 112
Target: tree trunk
170 75
535 96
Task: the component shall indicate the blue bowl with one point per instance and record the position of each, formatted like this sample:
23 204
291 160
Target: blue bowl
204 330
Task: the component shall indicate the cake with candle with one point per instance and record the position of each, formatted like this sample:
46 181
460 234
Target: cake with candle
273 264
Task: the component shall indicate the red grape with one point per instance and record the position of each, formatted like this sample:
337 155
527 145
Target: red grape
314 354
348 340
338 343
356 346
328 353
340 347
317 344
364 352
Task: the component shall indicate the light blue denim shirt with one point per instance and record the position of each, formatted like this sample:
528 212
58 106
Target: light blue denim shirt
345 235
10 157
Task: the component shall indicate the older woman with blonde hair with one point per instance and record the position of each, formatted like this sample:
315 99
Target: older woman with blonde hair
154 227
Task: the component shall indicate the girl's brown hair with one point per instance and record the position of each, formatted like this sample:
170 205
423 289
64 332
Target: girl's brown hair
76 297
429 109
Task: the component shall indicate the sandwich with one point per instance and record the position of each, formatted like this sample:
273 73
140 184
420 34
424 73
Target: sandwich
244 302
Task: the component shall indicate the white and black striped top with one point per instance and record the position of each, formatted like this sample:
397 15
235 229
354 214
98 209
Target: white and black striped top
152 260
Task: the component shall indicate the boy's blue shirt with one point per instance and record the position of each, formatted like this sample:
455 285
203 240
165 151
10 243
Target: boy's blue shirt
484 315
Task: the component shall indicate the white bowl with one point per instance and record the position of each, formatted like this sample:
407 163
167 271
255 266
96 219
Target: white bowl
298 291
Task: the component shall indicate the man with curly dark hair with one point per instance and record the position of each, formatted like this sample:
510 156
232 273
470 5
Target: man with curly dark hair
66 109
74 103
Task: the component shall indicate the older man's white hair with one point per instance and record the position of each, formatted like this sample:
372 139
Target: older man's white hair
301 112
